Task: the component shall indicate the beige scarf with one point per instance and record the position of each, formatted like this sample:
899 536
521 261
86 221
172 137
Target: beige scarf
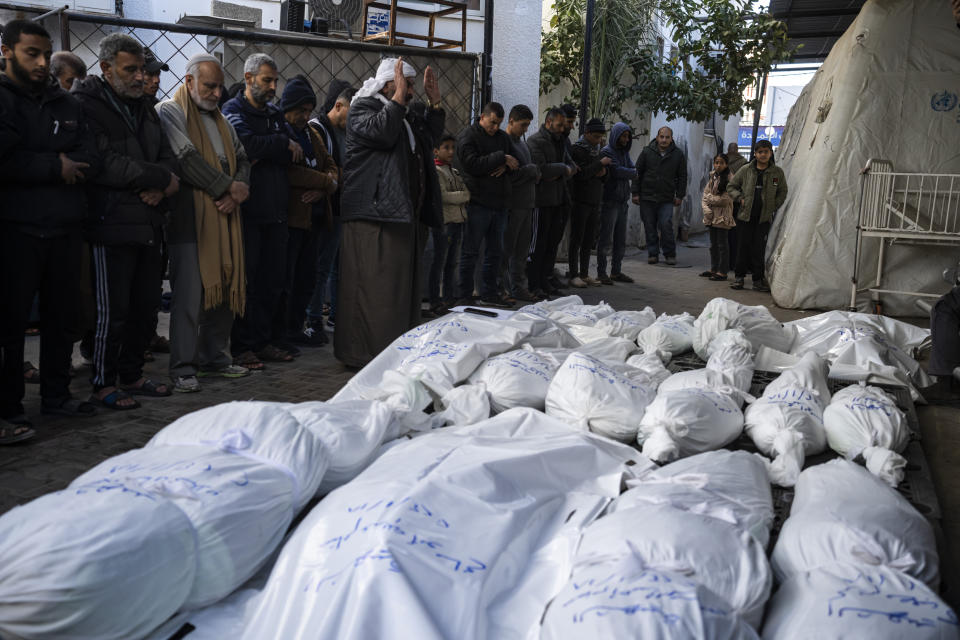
219 239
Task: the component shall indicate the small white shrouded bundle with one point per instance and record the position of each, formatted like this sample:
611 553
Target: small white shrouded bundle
610 350
351 432
265 431
627 324
729 485
717 554
731 354
865 421
651 366
786 423
843 513
240 508
93 565
621 598
668 336
518 378
757 323
687 421
581 314
858 601
464 405
604 398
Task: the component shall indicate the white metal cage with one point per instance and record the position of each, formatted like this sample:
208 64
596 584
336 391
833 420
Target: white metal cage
905 209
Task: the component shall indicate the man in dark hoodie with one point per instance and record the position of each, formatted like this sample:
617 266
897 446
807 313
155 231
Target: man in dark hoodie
261 128
660 185
616 201
331 124
126 218
586 191
46 154
485 162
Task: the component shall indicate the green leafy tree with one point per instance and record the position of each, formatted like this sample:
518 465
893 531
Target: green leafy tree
721 48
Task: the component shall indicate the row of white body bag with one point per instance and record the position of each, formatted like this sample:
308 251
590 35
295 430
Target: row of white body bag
183 522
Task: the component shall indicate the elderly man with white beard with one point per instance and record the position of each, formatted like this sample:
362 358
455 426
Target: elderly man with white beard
203 230
390 195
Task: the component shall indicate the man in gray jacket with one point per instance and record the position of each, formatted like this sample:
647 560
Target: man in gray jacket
523 197
660 186
203 231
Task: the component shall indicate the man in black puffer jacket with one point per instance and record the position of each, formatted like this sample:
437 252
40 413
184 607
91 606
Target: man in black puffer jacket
126 218
390 194
46 153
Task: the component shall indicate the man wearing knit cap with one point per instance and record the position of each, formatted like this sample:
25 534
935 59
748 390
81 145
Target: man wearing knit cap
586 191
390 189
312 181
204 235
331 124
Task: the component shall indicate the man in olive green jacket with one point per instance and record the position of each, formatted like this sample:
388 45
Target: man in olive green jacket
760 187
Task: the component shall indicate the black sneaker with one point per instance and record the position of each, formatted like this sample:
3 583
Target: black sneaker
737 284
496 301
761 285
621 277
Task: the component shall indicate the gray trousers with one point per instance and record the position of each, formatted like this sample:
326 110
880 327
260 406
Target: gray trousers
516 248
199 338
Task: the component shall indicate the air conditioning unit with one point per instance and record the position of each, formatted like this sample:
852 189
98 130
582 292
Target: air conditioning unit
341 15
292 13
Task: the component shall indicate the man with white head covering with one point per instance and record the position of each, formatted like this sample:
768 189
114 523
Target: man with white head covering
390 189
204 231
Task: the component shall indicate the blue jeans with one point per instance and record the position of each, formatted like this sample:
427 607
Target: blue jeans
443 266
658 225
483 224
328 245
613 231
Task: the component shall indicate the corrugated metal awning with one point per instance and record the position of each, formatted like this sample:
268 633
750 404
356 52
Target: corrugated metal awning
816 24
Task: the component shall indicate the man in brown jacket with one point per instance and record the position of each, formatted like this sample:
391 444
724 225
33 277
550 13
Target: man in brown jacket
312 181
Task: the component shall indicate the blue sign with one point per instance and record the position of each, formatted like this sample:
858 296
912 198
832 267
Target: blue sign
773 134
378 21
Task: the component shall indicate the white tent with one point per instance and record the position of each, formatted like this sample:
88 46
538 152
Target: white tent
881 93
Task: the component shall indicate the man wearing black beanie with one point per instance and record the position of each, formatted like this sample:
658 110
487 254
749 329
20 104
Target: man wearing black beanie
312 181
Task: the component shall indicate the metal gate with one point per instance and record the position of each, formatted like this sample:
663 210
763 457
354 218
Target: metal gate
319 59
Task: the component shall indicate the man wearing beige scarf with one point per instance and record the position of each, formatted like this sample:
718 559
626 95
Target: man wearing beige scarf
204 232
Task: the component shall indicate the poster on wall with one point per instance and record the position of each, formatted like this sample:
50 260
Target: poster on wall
378 21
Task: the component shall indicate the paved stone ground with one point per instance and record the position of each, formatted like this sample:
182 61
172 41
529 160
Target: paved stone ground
65 448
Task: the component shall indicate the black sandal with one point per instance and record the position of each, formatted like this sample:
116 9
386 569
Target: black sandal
706 274
112 400
71 407
148 388
11 433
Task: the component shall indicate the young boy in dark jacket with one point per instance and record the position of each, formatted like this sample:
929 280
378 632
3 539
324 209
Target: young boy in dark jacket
586 190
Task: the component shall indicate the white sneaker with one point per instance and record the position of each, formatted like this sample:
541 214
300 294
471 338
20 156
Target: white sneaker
578 283
186 384
593 283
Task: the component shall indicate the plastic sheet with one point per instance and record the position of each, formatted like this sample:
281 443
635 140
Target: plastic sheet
843 514
239 508
858 601
264 431
434 535
73 565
